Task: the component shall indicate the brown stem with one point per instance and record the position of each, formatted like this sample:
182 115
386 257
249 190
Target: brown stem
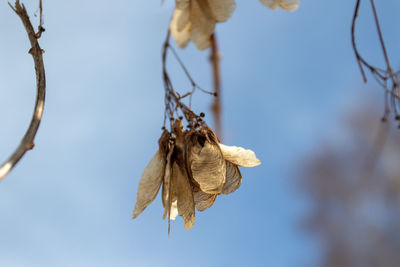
216 105
27 141
378 27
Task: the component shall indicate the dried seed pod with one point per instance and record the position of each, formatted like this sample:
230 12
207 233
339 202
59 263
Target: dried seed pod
152 177
240 156
222 9
205 162
289 5
167 197
233 178
184 195
150 183
203 200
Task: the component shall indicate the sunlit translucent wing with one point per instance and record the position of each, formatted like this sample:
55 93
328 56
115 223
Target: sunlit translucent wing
174 209
182 4
239 156
233 178
150 183
182 37
184 196
203 200
222 9
203 24
208 168
289 5
167 197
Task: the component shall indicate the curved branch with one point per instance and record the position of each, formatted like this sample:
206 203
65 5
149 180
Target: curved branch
37 54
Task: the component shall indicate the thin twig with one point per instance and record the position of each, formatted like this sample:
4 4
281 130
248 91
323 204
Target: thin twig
216 105
172 98
381 76
27 141
382 42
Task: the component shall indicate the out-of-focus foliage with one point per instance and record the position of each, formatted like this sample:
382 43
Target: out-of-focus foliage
354 188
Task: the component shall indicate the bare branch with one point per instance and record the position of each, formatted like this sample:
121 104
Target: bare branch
216 105
173 100
27 142
386 78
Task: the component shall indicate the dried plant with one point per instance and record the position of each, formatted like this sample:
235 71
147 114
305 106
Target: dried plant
195 20
27 142
192 165
387 78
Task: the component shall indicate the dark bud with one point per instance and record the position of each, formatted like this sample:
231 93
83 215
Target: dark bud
163 128
397 118
180 117
215 94
202 114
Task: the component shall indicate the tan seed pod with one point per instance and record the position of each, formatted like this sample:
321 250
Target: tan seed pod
167 185
182 4
233 178
208 168
239 156
203 200
184 195
222 9
203 24
289 5
181 35
149 183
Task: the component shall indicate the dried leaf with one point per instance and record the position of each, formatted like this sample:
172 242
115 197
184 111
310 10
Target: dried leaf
184 196
239 156
233 178
203 200
150 183
222 9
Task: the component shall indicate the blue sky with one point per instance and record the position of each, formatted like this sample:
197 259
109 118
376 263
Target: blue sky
287 77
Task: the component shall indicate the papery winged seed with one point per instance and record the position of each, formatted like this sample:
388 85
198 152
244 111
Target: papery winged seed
174 209
182 19
184 195
149 183
203 24
167 187
182 4
233 178
182 37
222 9
289 5
208 168
240 156
203 200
